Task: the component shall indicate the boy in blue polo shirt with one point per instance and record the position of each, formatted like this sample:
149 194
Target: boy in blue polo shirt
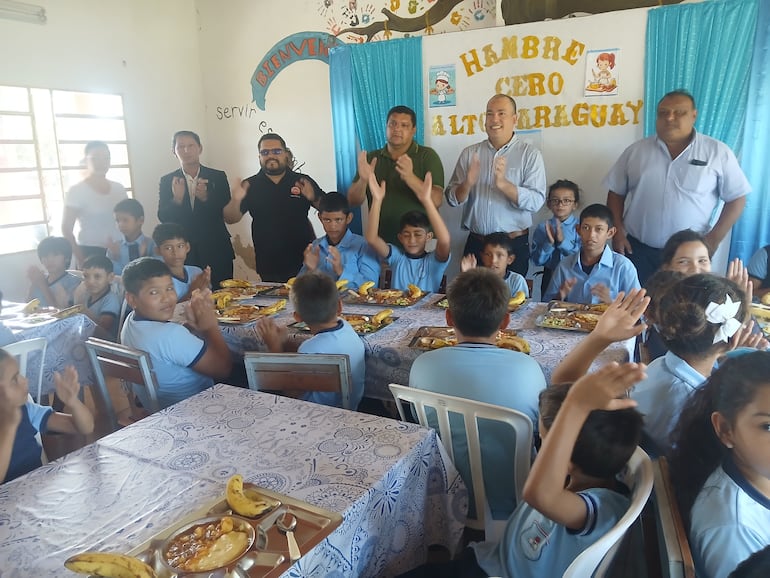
173 246
102 305
316 302
129 214
497 253
57 287
596 274
340 253
413 265
184 363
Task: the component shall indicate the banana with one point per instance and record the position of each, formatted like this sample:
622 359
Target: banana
31 307
289 282
109 565
518 298
240 502
765 299
364 288
382 316
761 311
414 291
342 283
274 308
223 300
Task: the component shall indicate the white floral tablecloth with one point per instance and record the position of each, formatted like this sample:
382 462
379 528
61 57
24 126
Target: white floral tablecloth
391 481
389 357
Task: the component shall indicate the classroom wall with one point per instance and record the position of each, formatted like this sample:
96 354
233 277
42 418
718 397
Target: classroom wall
145 50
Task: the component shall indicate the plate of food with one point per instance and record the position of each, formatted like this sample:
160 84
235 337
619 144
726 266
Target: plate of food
437 337
568 320
361 324
284 290
367 294
568 307
514 302
242 314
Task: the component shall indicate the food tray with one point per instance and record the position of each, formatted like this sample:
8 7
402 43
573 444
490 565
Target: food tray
360 323
245 314
567 307
507 339
442 303
313 525
567 321
276 291
382 298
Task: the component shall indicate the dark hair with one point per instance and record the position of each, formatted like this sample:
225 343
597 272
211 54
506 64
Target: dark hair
508 98
55 246
414 219
98 262
315 298
598 211
478 302
606 440
140 270
682 322
168 231
755 566
95 144
565 184
401 109
189 133
656 286
130 207
677 240
679 92
697 451
332 202
271 136
498 240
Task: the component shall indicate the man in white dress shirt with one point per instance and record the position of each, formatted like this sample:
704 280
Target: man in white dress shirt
500 182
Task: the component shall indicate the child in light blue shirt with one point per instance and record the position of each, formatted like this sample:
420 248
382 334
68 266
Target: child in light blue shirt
57 288
129 214
497 253
173 247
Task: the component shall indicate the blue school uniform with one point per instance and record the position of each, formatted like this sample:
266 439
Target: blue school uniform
63 290
173 351
25 455
182 286
613 270
516 283
124 252
544 253
339 339
489 374
730 520
359 263
107 304
426 271
533 546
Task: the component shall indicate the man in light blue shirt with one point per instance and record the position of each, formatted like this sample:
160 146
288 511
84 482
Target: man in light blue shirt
479 370
596 274
500 182
672 181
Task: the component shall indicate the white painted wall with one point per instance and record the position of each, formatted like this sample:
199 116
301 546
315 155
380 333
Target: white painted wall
145 50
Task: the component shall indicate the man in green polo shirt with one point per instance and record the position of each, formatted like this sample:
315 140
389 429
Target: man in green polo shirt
402 164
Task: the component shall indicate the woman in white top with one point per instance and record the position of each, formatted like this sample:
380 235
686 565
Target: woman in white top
90 203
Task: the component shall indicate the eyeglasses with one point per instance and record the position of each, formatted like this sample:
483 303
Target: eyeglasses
268 152
560 202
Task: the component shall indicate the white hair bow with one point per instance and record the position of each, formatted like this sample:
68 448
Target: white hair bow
724 315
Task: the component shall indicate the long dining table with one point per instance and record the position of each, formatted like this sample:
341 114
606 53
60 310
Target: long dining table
389 351
392 482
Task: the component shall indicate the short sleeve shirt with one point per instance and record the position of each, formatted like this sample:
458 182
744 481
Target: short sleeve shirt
426 272
25 455
95 212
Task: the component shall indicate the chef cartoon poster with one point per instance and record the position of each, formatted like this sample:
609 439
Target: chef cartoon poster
602 72
441 80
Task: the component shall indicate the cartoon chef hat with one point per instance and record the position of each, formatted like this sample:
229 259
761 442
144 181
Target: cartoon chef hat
443 76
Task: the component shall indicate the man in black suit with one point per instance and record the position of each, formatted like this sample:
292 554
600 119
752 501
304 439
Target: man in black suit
194 196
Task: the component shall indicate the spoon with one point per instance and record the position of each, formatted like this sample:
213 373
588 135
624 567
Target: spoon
286 524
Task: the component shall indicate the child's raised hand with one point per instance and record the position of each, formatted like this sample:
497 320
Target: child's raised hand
312 256
607 388
200 312
36 276
619 321
335 259
601 291
202 280
468 262
558 232
745 337
549 232
113 249
566 287
272 334
377 189
67 385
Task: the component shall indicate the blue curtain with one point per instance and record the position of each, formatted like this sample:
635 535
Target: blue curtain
752 231
705 48
366 81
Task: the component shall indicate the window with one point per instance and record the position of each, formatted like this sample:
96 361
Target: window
42 136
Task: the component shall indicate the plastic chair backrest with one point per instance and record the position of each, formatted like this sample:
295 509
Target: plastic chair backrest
596 559
676 557
23 350
125 363
327 372
472 411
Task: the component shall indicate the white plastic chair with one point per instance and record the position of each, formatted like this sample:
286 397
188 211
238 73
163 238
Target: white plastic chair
130 365
326 372
472 411
595 560
22 350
